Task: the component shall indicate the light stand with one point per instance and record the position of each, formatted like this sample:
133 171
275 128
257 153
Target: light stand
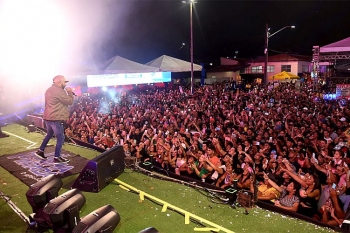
267 36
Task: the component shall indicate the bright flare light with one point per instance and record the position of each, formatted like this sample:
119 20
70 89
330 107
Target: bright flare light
33 36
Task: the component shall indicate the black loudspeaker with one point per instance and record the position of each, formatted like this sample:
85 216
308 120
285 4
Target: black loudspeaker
101 171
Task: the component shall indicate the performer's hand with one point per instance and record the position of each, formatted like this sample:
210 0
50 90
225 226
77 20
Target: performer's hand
68 89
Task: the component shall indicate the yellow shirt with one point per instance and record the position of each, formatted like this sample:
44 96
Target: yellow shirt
265 191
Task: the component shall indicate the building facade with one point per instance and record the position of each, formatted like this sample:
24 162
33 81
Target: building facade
248 71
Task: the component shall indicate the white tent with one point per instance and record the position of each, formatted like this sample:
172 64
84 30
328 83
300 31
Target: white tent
166 63
117 65
339 46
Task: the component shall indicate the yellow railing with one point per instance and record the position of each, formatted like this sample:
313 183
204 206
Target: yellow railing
166 205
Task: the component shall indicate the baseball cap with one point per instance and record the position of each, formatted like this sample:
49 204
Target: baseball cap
59 78
342 119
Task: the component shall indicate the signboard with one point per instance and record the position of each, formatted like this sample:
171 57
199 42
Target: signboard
105 80
343 91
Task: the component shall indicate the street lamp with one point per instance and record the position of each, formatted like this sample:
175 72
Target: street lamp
267 36
191 2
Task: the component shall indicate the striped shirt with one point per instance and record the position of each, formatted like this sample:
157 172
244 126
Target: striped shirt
286 200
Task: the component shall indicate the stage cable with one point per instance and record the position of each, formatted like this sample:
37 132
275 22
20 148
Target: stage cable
17 210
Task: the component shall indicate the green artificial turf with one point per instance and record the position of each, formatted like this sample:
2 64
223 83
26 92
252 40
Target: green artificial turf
137 215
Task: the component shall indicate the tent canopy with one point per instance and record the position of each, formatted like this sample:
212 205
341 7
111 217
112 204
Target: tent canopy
339 46
283 76
166 63
119 64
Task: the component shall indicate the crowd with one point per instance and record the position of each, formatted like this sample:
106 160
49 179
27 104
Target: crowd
291 140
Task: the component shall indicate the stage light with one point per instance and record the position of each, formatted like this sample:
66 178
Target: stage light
62 213
104 219
40 193
149 230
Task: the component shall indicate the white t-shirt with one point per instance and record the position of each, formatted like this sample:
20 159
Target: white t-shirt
215 174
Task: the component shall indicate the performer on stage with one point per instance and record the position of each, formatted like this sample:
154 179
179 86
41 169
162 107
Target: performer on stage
57 99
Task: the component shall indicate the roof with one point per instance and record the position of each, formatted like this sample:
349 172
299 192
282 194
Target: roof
339 46
284 57
119 64
227 68
167 63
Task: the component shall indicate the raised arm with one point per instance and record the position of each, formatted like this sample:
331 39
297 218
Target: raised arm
218 146
286 162
318 167
215 167
296 178
272 183
221 178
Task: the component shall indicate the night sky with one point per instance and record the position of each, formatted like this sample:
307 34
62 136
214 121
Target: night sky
43 38
142 30
151 28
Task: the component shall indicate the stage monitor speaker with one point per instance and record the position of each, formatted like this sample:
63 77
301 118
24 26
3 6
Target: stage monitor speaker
37 120
101 171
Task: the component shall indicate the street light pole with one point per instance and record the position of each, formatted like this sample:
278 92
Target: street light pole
267 36
191 2
266 53
191 26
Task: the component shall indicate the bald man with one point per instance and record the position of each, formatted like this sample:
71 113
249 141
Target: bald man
57 99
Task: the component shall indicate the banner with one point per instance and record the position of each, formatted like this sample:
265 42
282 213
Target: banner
105 80
343 91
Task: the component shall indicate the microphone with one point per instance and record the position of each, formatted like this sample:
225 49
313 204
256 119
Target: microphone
68 89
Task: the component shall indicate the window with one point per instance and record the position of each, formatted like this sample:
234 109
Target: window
286 68
257 69
305 68
271 69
